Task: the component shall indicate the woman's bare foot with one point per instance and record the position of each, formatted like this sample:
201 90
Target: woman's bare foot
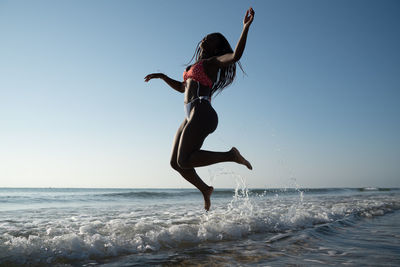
240 159
207 195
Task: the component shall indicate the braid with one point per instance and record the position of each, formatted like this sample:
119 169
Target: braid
227 74
195 55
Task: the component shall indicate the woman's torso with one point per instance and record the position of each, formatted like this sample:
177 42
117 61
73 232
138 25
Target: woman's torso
194 89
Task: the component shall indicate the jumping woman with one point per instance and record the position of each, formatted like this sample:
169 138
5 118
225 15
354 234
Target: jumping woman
214 69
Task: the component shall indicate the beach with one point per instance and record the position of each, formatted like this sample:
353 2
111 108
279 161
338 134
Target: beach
247 227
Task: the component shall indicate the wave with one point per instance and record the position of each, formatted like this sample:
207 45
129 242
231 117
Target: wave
45 195
323 190
55 238
145 194
376 189
171 193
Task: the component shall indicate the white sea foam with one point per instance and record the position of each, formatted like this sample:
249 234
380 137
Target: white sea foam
54 235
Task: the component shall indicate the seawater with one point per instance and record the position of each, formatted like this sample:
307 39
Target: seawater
246 227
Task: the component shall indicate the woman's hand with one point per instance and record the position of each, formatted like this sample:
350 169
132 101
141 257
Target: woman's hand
154 76
248 18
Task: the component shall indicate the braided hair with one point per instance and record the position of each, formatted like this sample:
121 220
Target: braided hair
226 74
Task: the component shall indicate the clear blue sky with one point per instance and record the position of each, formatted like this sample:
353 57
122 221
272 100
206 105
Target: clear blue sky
319 106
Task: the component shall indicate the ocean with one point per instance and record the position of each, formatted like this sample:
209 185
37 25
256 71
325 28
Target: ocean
168 227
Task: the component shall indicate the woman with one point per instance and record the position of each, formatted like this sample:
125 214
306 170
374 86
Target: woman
214 69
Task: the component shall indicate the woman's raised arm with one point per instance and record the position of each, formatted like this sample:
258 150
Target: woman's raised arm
230 58
177 85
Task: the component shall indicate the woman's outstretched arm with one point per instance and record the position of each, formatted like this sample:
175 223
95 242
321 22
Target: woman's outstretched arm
230 58
177 85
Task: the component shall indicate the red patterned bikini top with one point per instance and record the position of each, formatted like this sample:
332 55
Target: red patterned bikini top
196 72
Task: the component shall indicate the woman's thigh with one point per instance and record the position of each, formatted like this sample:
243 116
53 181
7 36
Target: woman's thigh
192 137
203 121
175 145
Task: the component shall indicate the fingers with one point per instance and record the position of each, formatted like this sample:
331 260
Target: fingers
249 16
148 77
251 11
151 76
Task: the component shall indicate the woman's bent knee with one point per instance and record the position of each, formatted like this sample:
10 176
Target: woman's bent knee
174 165
184 164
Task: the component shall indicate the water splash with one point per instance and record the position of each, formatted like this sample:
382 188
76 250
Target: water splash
79 234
